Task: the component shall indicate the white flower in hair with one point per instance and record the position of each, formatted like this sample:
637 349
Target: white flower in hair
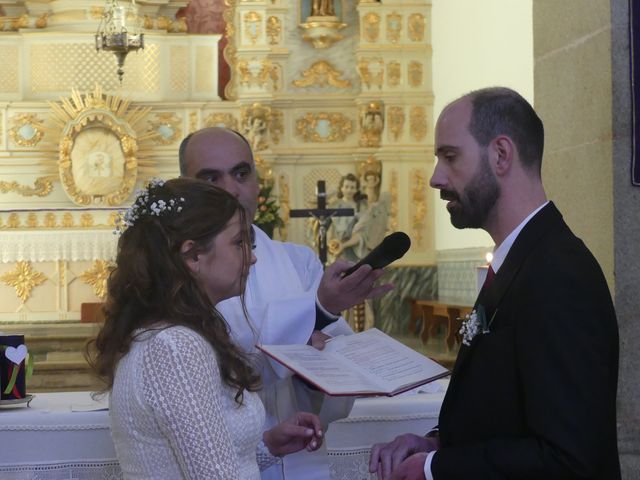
141 207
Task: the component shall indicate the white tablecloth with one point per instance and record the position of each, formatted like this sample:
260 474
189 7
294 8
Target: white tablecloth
54 440
376 420
48 440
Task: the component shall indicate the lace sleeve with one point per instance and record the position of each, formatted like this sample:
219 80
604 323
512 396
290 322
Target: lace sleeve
264 457
183 386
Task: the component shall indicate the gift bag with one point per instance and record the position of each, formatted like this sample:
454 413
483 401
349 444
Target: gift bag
14 364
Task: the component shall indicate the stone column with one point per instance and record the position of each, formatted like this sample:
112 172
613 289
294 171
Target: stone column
582 92
626 199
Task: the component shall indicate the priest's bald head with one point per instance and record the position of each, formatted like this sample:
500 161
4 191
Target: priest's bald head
223 157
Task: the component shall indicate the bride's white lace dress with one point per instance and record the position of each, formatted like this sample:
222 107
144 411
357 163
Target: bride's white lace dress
172 417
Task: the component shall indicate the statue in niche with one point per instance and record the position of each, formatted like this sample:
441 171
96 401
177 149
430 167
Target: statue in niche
364 232
255 121
322 25
322 8
254 132
371 222
207 16
341 230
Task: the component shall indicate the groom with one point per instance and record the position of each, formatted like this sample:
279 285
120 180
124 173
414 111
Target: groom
533 394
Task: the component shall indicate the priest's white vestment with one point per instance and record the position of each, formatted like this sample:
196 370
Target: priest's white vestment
281 301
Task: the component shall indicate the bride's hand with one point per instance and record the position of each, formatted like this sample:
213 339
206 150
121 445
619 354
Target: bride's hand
303 430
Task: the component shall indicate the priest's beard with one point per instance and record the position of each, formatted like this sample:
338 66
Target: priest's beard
472 207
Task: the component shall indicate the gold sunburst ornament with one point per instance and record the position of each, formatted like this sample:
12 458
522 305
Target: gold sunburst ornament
97 277
24 279
99 142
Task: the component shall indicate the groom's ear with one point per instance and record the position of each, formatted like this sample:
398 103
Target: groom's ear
190 259
502 151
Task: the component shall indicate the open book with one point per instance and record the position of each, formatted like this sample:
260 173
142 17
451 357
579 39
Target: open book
366 363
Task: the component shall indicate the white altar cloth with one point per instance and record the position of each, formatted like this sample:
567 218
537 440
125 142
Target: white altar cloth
376 420
48 440
55 439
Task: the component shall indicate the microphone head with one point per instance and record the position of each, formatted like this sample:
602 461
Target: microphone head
395 245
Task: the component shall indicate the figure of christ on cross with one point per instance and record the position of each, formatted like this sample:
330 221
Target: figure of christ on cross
323 215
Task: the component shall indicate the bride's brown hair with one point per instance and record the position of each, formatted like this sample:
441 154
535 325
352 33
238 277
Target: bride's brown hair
151 282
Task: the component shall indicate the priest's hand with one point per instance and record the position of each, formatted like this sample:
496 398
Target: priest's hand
318 339
386 457
337 293
303 430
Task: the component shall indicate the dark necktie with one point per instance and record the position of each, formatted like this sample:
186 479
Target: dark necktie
489 278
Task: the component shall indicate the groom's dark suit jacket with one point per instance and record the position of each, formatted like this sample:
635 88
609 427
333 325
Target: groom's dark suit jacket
535 398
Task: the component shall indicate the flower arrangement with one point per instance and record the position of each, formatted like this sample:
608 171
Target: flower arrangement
267 216
473 324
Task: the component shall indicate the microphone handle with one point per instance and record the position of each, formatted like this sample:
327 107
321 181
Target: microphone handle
375 259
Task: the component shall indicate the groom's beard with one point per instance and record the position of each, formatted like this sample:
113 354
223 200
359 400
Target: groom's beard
471 209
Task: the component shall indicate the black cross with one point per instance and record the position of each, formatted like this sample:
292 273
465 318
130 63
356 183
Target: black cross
323 215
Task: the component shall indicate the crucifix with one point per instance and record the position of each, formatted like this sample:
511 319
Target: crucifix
323 215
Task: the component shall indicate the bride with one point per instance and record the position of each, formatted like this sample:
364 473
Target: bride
182 394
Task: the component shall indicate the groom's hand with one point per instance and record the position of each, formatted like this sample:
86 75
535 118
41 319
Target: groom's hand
386 457
411 469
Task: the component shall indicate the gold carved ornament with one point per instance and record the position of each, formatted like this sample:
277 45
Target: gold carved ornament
24 279
394 27
395 119
257 72
252 26
27 130
166 128
97 277
13 221
320 74
418 123
274 30
285 207
32 220
371 71
226 120
394 70
371 164
371 124
419 202
323 127
276 125
393 190
230 51
193 121
415 73
98 147
371 27
41 187
416 27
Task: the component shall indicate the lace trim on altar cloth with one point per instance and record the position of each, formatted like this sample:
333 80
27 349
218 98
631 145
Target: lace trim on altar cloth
64 245
41 428
98 470
350 464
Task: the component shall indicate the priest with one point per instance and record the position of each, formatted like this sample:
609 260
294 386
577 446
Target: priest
290 300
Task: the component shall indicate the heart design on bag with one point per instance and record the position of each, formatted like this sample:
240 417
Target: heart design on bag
16 355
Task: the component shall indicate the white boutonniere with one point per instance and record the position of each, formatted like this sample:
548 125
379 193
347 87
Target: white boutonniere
474 323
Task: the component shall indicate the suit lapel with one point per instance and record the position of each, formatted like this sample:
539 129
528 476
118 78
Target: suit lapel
524 244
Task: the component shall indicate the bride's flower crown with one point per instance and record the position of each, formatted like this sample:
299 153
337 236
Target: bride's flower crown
142 206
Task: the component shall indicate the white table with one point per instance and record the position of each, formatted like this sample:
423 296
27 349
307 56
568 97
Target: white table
380 419
51 440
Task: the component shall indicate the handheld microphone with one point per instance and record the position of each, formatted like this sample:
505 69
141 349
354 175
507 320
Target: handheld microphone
391 248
